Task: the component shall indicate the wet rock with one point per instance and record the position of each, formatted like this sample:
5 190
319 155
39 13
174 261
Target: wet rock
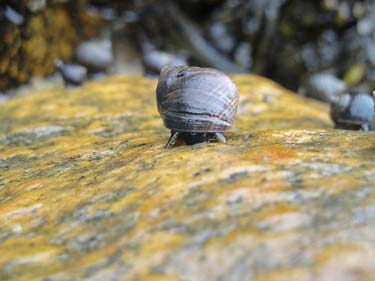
366 25
323 53
201 49
155 60
286 198
126 59
35 33
243 55
106 12
221 37
13 16
96 55
36 5
325 87
370 47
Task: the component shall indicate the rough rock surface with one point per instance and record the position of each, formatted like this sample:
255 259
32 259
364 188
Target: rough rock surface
88 192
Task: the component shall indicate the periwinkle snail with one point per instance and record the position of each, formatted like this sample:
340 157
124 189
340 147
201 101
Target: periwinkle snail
354 112
73 74
196 104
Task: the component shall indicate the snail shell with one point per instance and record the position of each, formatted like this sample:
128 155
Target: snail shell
354 112
73 74
193 99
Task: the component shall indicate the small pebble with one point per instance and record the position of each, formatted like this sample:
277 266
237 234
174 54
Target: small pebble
13 16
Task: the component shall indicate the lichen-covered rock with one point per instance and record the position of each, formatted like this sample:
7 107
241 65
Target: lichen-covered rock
88 192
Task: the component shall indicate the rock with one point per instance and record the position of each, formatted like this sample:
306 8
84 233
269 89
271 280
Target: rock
36 5
242 55
221 37
88 192
154 60
325 87
126 59
36 32
13 16
95 54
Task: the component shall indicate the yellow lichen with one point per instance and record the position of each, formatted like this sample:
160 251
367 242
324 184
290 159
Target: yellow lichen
88 191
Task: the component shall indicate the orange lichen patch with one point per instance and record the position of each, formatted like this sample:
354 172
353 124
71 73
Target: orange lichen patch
87 190
273 153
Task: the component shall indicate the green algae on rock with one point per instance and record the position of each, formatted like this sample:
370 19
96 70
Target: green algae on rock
88 192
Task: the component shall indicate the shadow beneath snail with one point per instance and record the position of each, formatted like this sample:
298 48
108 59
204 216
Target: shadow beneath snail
181 138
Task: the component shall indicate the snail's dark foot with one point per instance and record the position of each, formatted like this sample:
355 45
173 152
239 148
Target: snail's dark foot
70 85
193 138
354 126
348 127
97 75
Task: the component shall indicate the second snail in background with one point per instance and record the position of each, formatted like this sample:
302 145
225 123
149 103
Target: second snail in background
196 104
354 111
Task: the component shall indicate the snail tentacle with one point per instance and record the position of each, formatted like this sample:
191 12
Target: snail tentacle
172 139
220 137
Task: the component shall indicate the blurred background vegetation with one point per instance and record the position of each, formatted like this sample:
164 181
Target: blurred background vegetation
289 41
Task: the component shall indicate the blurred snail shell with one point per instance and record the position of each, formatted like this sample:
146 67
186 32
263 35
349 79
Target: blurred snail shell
73 74
354 112
96 55
196 104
